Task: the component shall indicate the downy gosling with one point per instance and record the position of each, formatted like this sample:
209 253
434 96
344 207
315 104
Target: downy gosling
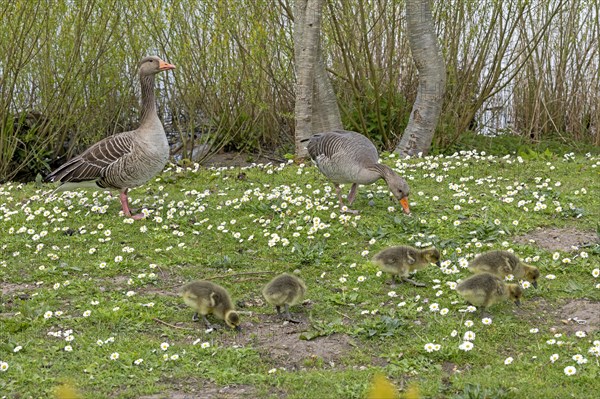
503 263
485 289
401 260
285 290
210 298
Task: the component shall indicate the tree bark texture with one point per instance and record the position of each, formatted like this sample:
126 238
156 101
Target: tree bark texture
316 108
428 59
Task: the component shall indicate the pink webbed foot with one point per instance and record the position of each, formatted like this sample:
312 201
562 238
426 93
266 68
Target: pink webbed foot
125 207
138 216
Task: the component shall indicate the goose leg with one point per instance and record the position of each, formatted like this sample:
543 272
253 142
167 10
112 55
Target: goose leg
278 310
338 191
195 317
125 203
207 323
288 316
352 194
413 282
125 206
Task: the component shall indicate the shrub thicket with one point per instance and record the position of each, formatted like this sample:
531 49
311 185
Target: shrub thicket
67 74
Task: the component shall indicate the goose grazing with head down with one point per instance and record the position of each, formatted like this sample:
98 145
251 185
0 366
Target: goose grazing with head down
127 159
503 263
485 289
349 157
210 298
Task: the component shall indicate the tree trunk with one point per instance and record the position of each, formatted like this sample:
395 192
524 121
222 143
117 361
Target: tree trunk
426 54
316 106
326 113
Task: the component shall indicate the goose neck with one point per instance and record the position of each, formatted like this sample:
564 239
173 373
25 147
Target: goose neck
148 100
383 170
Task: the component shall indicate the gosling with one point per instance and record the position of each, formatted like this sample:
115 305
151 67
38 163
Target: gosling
206 298
503 263
485 289
401 260
286 290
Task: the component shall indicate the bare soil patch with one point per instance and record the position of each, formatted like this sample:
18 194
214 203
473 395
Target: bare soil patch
195 388
570 316
207 390
10 293
555 239
450 368
10 288
280 344
581 314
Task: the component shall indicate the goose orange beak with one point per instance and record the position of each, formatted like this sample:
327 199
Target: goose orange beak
164 66
404 203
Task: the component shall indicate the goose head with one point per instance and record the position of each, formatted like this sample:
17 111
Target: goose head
515 292
399 188
153 64
532 274
432 255
232 319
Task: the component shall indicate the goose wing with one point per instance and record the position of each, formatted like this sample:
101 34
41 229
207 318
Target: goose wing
342 143
93 163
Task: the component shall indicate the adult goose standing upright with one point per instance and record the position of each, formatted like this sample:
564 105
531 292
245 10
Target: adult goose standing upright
124 160
349 157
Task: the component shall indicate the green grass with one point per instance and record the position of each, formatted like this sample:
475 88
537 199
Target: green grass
508 143
73 254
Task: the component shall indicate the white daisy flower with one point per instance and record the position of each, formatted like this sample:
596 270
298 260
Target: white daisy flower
466 346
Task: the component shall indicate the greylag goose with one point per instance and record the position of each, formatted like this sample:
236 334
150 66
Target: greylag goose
349 157
127 159
401 260
210 298
286 290
485 289
503 263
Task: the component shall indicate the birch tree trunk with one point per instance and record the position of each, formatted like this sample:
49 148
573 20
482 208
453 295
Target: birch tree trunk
426 54
316 108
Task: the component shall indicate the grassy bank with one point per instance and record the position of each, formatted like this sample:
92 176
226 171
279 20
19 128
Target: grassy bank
82 288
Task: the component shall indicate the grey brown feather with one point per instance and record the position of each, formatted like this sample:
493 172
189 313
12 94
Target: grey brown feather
127 159
349 157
